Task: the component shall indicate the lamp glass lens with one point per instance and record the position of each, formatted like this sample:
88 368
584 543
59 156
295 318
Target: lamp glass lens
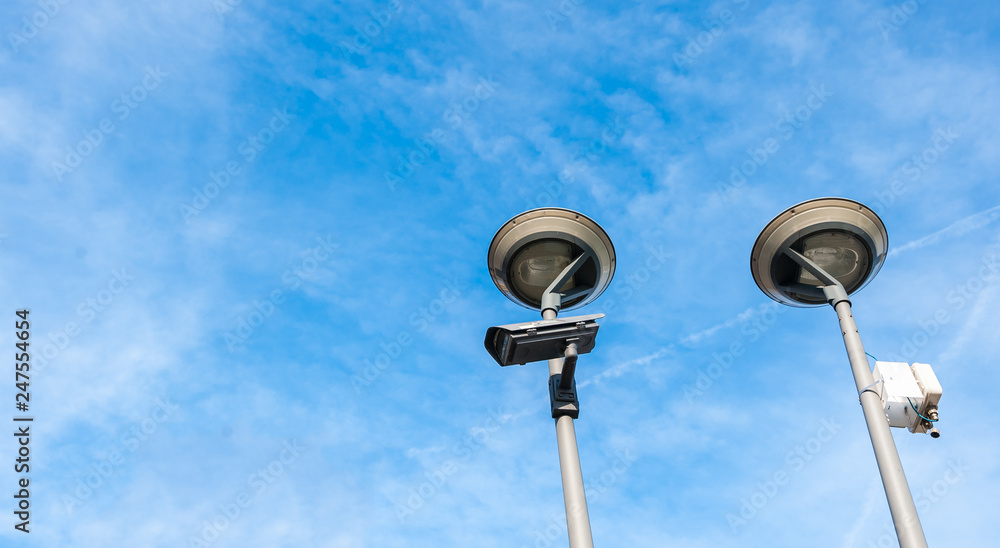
840 254
537 265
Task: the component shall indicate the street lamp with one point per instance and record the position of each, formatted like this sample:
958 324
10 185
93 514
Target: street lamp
819 252
551 259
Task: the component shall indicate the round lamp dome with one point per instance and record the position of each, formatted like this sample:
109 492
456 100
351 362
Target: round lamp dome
533 248
843 237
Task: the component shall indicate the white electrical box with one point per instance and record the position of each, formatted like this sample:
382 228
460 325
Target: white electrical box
910 395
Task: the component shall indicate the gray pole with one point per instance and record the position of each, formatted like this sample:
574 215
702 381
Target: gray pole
904 513
577 517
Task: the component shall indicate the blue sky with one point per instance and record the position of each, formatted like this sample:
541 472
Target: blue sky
252 236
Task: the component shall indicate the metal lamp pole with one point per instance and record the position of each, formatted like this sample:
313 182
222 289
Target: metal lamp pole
897 491
566 408
577 517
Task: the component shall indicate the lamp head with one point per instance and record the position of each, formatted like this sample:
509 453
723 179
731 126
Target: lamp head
843 237
532 249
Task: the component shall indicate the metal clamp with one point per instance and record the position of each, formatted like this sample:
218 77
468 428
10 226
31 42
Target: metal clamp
564 402
562 386
870 389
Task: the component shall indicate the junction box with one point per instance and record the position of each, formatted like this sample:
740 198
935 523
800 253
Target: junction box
910 395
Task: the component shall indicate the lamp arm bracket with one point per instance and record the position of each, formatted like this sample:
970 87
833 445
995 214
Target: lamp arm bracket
833 290
552 298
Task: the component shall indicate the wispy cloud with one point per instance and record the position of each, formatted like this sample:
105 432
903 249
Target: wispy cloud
954 230
620 369
214 203
874 496
698 336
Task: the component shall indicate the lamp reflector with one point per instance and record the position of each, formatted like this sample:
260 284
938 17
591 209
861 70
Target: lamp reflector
840 254
537 265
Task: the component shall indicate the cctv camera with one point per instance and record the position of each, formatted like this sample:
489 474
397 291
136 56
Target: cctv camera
522 343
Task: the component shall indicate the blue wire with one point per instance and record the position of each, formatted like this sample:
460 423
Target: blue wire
872 357
918 412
